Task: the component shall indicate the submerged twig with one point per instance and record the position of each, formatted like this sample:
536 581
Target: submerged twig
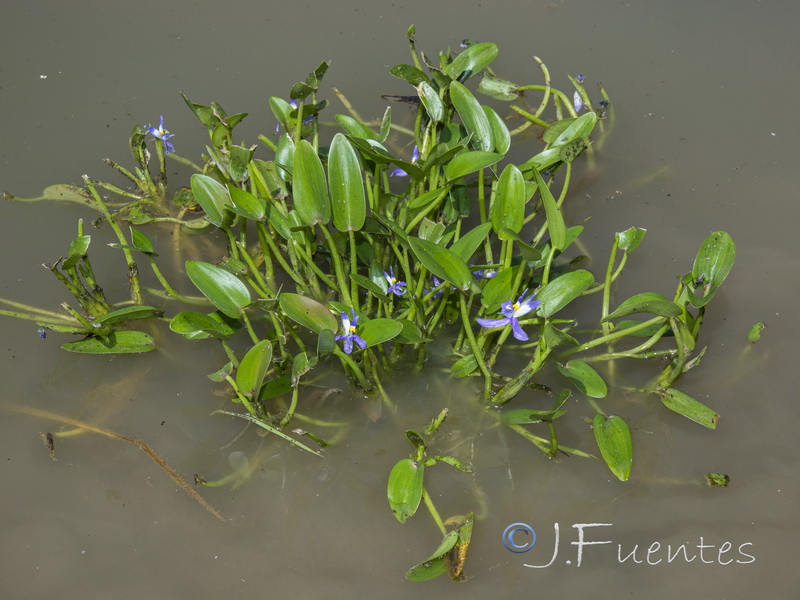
36 412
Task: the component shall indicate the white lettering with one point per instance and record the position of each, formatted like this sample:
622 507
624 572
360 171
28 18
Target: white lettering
581 543
631 555
681 548
743 553
555 552
654 547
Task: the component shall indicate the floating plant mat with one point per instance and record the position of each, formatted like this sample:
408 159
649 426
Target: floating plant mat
343 249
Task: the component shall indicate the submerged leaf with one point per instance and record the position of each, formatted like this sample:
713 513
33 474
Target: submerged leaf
613 437
118 342
685 405
405 488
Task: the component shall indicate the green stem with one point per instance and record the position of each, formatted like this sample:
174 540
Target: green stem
434 513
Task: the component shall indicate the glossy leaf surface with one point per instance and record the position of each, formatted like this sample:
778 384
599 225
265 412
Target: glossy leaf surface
348 200
222 288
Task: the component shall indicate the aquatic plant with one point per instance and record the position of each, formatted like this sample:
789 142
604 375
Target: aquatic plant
350 251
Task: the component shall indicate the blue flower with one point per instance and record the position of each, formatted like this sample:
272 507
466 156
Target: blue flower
511 312
349 336
398 172
436 283
577 101
394 286
162 134
484 274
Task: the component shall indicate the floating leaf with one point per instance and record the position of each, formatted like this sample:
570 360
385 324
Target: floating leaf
222 288
712 264
118 342
685 405
378 331
307 312
405 488
253 368
563 290
62 192
613 437
194 325
754 334
717 479
585 378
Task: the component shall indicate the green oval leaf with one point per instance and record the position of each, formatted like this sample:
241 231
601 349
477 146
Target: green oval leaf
647 302
195 325
119 342
253 368
443 263
222 288
431 101
585 378
712 264
309 189
614 440
685 405
563 290
378 331
471 61
499 89
469 162
498 289
307 312
246 204
77 250
346 186
405 488
473 117
355 127
578 129
500 133
508 208
408 73
212 196
630 239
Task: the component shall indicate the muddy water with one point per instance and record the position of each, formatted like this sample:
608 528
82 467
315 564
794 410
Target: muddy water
704 94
